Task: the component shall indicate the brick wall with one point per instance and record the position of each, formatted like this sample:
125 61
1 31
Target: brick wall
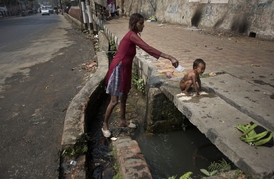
75 12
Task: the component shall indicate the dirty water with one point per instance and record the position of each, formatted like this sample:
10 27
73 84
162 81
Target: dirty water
167 154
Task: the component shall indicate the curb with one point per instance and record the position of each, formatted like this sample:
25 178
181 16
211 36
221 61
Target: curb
130 160
74 124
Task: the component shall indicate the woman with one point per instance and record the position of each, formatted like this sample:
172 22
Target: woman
111 4
119 73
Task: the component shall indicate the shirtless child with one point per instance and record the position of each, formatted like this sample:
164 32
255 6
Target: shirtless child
192 77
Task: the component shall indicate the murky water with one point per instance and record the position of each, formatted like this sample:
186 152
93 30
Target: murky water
169 154
176 153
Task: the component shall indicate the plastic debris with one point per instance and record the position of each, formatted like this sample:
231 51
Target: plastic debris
113 138
212 74
255 65
179 68
160 25
203 93
90 66
152 19
73 163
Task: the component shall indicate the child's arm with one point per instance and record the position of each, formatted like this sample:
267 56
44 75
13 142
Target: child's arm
199 83
195 83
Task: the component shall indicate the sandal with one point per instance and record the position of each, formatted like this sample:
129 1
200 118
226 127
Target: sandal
132 126
106 133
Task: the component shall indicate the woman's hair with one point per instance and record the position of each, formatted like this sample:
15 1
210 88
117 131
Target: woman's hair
134 18
197 62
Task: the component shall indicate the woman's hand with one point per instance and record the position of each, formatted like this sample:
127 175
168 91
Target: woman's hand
174 61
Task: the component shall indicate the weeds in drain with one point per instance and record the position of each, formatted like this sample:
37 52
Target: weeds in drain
112 46
185 176
112 49
216 167
116 165
184 126
79 148
117 176
138 82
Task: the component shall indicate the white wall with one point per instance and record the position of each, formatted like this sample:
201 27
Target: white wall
243 16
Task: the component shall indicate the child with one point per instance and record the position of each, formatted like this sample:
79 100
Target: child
192 77
107 15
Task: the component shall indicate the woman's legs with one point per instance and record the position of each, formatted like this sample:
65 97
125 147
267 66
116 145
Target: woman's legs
123 101
113 102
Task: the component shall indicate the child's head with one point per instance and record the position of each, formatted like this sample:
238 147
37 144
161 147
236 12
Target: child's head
199 66
136 22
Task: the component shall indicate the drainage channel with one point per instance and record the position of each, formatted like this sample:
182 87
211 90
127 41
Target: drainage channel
167 154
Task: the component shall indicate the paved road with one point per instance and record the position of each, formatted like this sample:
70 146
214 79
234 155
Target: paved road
40 72
29 40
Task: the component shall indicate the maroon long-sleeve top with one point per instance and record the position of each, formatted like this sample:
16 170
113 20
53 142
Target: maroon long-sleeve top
125 54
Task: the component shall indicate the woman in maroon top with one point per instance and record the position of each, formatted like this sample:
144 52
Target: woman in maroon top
119 73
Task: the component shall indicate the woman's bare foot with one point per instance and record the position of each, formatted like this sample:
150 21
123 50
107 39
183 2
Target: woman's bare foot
124 123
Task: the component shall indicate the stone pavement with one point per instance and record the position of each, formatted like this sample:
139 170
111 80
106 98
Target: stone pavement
242 92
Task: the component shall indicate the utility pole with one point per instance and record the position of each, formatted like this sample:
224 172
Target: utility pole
89 16
95 31
84 14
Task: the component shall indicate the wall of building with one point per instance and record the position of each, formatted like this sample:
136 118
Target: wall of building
245 17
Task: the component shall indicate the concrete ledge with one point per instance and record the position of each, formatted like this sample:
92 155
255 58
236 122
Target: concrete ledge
77 22
218 120
74 124
240 94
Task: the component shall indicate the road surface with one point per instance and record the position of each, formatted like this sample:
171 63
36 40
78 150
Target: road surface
41 61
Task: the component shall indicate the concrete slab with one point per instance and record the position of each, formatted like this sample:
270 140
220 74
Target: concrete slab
262 76
244 94
217 119
248 98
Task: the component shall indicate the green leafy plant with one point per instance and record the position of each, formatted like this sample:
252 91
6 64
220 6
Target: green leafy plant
184 126
221 166
79 148
184 176
112 49
117 176
140 85
138 82
208 173
112 46
216 167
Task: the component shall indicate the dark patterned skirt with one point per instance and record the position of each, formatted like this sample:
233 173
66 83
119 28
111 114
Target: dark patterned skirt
113 87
